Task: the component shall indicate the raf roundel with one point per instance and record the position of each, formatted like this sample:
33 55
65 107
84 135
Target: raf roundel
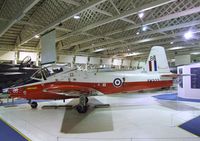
117 82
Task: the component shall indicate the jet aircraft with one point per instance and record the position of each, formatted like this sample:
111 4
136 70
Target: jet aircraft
65 83
10 73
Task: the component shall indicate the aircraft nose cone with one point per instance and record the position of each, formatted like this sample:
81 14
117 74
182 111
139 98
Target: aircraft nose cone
5 91
9 91
14 92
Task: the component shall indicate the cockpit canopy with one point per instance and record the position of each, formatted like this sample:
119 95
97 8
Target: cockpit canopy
44 73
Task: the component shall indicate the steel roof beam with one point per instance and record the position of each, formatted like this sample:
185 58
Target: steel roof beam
124 19
164 18
63 29
165 43
80 42
151 39
170 55
95 37
161 19
4 3
149 6
69 30
19 15
23 23
72 2
64 18
102 11
193 23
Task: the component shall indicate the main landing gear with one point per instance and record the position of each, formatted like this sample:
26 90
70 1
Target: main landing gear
33 104
82 107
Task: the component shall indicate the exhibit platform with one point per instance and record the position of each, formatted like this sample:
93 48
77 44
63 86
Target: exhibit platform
174 97
192 126
130 117
10 133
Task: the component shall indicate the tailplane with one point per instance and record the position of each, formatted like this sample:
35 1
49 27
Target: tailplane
157 60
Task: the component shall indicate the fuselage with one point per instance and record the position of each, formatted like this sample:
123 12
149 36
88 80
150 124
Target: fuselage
104 82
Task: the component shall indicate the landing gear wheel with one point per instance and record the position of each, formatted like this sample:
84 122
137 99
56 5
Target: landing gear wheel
34 105
82 109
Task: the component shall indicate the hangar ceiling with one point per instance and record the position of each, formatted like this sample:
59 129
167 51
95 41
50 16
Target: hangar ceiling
101 27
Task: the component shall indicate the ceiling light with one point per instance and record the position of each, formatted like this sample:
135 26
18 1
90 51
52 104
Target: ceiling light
36 36
172 60
144 28
138 33
188 35
175 48
144 40
171 43
141 15
98 50
76 17
133 54
195 53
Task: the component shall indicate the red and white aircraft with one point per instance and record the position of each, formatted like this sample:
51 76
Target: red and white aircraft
65 83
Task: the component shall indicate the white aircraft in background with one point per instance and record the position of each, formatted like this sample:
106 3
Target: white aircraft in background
68 83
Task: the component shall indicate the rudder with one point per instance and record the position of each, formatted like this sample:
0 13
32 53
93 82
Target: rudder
157 60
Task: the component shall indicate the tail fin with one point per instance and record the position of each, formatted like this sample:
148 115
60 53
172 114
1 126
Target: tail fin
157 60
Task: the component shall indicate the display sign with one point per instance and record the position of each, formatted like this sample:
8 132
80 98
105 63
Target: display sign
48 48
195 79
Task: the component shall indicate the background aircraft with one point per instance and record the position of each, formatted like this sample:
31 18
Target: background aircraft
11 74
64 83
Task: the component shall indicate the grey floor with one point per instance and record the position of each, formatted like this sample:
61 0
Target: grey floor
130 117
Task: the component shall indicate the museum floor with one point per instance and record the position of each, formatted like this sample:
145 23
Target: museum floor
130 117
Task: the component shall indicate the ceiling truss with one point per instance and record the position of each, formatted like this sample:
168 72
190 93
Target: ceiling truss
105 27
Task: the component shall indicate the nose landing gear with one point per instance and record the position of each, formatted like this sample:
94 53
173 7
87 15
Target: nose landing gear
34 105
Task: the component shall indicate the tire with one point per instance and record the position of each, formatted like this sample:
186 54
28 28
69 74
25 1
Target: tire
81 109
34 105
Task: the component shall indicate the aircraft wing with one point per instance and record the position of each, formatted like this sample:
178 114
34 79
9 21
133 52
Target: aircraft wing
69 90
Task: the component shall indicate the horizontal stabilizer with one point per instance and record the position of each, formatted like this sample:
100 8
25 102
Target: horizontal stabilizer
176 75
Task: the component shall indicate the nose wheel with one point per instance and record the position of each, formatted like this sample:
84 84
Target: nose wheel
33 105
82 107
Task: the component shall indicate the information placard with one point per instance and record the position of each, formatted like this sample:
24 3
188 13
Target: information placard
195 79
